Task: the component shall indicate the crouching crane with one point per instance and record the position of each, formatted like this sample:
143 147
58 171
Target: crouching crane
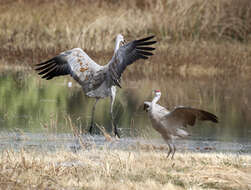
97 81
171 124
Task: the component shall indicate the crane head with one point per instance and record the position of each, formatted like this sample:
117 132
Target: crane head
119 42
157 92
120 39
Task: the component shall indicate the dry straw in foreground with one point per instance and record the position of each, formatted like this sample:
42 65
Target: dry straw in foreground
113 169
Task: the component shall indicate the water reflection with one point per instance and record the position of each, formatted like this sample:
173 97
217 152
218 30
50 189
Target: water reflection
36 105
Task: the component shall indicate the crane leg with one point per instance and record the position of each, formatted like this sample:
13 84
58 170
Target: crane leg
92 117
169 149
174 150
114 126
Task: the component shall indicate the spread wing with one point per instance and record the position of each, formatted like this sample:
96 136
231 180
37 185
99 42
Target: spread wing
74 62
183 116
129 53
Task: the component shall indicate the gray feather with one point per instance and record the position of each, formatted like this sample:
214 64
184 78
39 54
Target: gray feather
128 54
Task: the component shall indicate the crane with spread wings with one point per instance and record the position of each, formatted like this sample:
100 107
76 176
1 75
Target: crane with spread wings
172 124
97 81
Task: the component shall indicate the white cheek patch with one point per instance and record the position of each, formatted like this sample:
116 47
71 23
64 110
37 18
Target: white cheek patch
158 93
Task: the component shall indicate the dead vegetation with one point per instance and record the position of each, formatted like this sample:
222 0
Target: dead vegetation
110 169
192 35
53 25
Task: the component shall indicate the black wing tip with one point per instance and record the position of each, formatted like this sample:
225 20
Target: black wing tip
142 56
53 67
142 40
212 117
45 73
215 119
47 77
146 53
145 43
45 62
44 65
147 38
145 48
45 69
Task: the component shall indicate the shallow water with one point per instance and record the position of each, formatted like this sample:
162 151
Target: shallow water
68 142
34 106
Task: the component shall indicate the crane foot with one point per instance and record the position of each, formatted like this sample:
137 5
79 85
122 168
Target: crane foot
116 132
91 128
117 135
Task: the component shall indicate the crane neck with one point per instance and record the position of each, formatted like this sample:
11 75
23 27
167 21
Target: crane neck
155 99
117 43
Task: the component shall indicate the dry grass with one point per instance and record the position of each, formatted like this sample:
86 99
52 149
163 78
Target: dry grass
39 29
61 24
113 169
194 37
194 59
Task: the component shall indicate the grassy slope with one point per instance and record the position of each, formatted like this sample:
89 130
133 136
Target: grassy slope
113 169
